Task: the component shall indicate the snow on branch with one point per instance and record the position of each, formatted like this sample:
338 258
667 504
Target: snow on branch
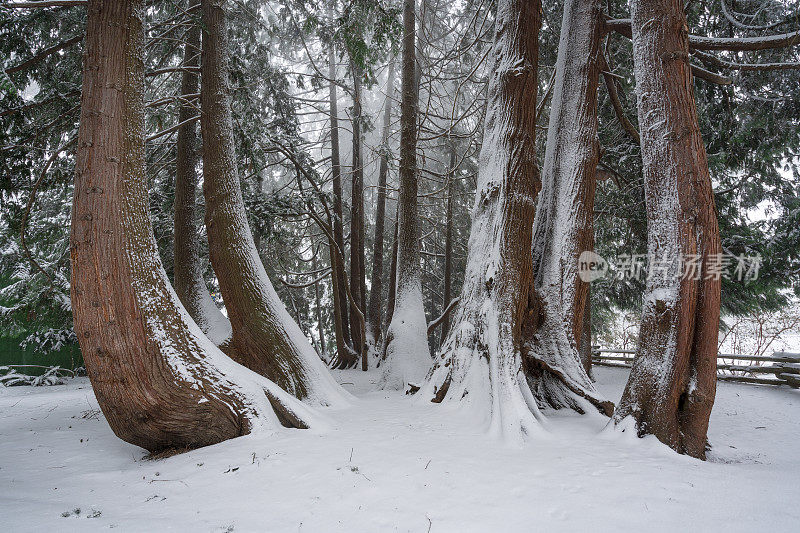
731 44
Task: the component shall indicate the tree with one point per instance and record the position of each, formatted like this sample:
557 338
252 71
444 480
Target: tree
493 359
672 384
407 353
565 212
158 380
374 311
189 283
357 255
265 337
345 357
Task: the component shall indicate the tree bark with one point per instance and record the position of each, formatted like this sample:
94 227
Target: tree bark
357 271
672 384
376 291
318 304
448 247
564 223
345 357
392 277
407 353
585 344
493 359
158 380
188 267
265 338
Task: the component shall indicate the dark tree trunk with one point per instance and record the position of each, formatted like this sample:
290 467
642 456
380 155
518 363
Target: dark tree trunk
357 274
494 356
318 304
376 291
407 353
188 266
159 382
265 338
672 384
564 217
344 354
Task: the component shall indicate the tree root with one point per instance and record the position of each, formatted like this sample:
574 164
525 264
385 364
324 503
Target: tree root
534 377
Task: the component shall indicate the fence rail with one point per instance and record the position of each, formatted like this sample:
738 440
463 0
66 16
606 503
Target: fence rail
781 368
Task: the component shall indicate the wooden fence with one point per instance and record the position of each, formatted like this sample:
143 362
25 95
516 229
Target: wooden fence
780 368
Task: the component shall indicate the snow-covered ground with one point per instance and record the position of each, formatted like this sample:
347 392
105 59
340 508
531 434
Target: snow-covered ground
390 464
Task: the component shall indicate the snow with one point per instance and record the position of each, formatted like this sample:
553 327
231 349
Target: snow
408 357
388 463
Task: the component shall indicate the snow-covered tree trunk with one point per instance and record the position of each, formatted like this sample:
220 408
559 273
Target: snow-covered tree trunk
563 227
672 384
407 353
493 359
375 308
189 283
159 381
265 337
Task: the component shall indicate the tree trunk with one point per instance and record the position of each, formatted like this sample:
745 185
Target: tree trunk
357 279
265 338
672 384
188 267
407 353
585 344
158 380
448 246
318 303
563 227
392 277
491 359
345 357
376 291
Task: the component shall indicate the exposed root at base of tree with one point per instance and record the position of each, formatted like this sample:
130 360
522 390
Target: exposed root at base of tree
553 388
345 361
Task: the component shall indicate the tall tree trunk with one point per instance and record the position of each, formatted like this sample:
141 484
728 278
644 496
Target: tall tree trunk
672 384
392 277
491 359
344 355
265 338
407 353
318 304
563 227
376 291
357 274
188 267
448 245
158 380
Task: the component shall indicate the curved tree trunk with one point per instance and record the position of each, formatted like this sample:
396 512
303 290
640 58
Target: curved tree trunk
265 338
189 283
376 291
672 384
345 356
158 380
563 227
491 359
323 348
